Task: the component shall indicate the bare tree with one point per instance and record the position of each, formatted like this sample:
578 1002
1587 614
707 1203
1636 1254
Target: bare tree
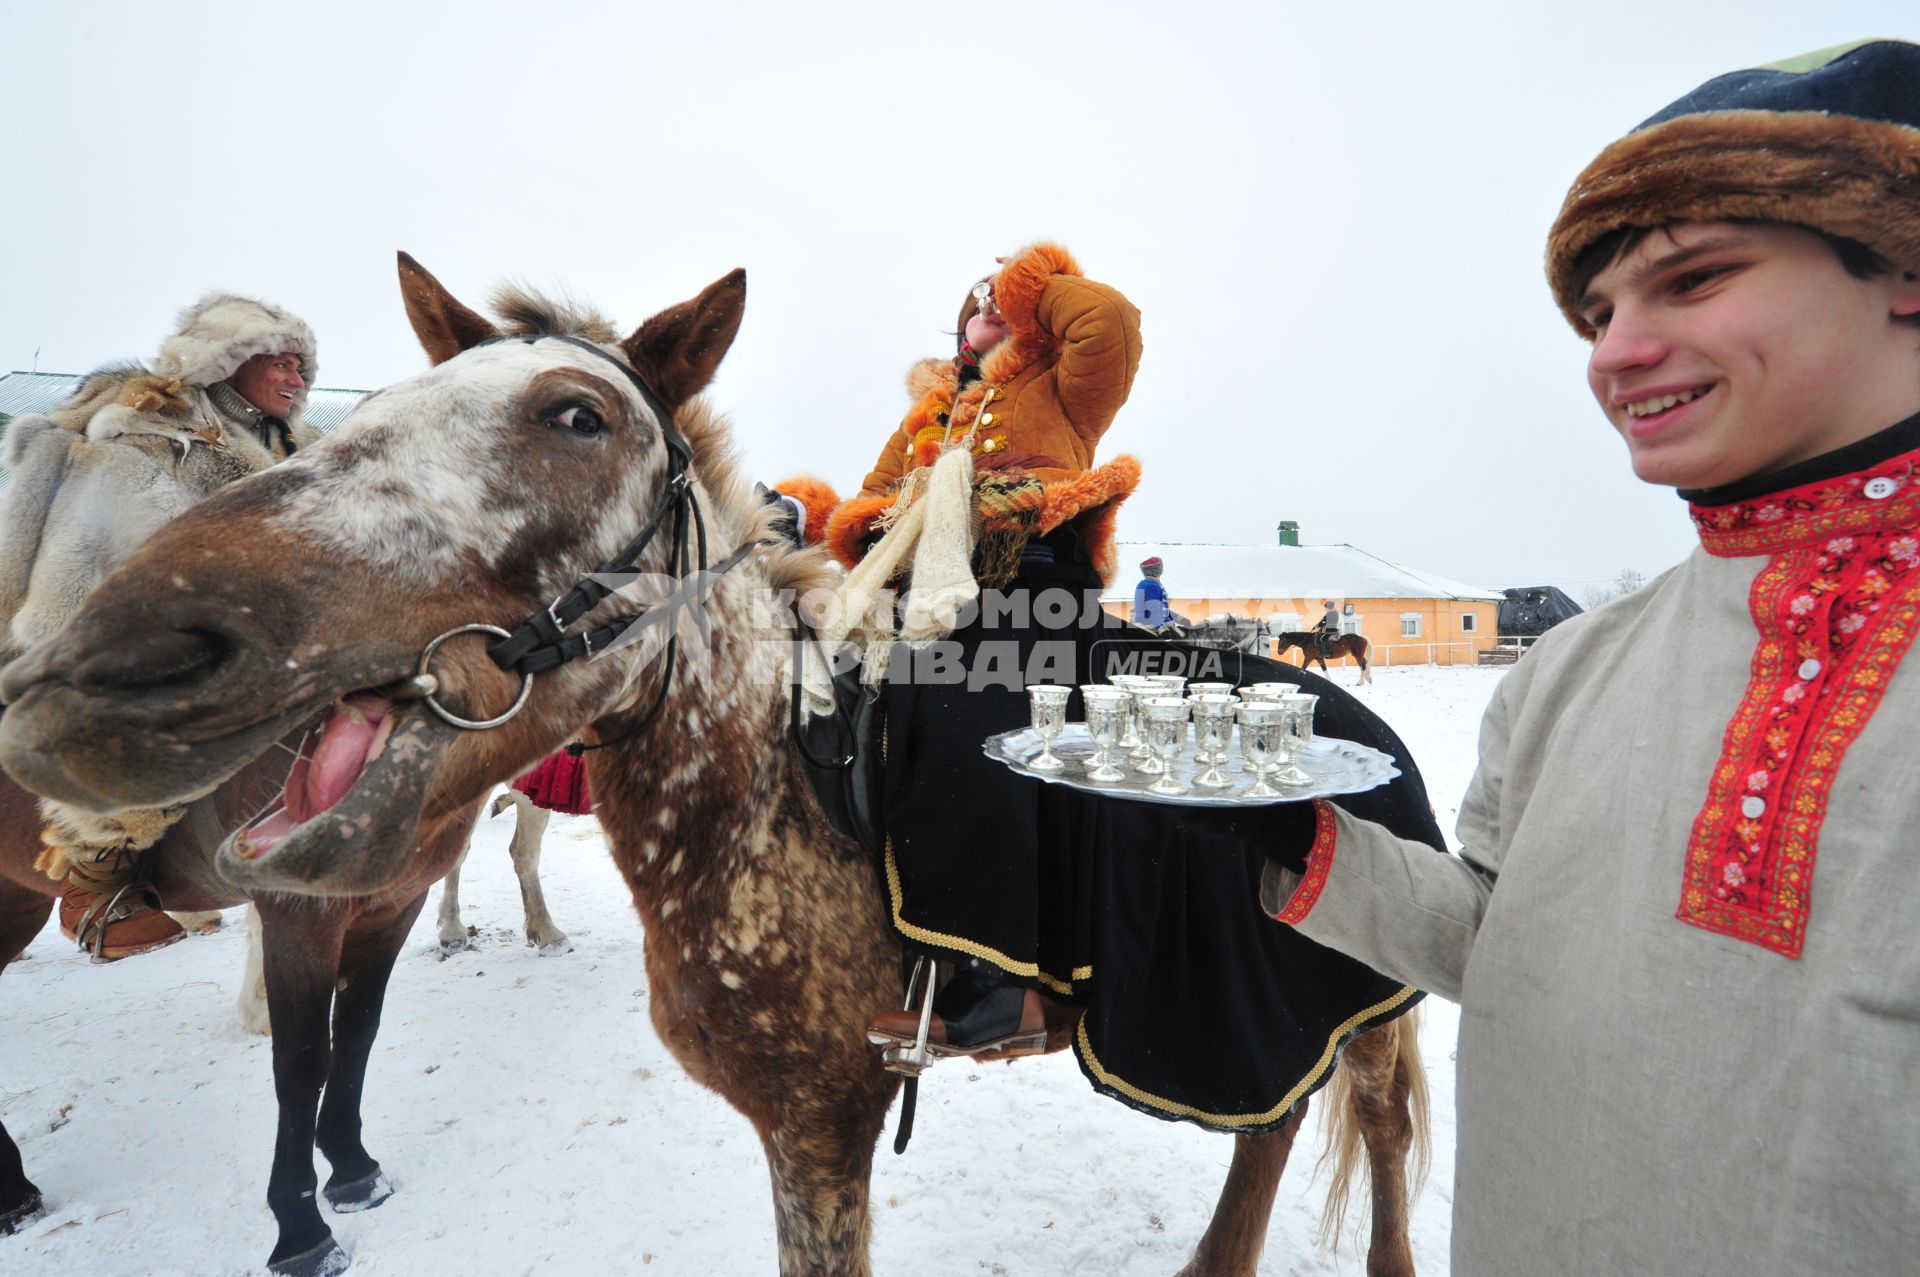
1629 580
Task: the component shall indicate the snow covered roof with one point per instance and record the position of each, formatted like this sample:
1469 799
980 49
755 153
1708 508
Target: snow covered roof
1205 570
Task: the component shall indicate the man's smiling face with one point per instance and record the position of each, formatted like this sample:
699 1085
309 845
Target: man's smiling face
1730 350
269 382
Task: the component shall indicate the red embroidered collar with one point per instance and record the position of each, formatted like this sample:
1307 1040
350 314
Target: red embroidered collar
1872 483
1883 495
1835 609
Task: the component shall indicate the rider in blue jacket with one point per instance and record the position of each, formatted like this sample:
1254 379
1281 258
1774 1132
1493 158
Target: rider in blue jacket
1150 597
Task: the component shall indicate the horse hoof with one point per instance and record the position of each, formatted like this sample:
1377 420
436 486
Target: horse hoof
22 1212
450 947
363 1193
552 948
324 1259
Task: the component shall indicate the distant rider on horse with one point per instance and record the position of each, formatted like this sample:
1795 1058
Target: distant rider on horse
1327 631
1150 605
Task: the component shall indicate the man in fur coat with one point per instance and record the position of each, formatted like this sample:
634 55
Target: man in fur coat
1680 929
131 448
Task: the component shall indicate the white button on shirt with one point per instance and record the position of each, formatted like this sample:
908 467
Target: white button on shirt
1809 670
1753 808
1881 488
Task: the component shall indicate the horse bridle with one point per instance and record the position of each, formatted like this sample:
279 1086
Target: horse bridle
540 642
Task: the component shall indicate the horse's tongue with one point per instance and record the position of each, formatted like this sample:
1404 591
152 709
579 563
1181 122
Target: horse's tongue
349 738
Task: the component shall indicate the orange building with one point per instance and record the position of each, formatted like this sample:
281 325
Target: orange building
1409 616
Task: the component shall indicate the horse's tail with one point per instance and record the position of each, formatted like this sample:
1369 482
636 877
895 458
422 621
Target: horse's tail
1345 1146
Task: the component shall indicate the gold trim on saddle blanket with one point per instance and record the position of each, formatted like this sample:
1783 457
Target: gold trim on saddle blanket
972 948
1235 1121
1084 1048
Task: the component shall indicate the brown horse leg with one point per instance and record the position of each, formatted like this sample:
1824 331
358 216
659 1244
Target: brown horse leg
821 1162
22 913
366 963
1238 1229
303 939
1379 1096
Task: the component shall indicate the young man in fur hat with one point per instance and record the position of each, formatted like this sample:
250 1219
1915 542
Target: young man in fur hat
90 482
1680 928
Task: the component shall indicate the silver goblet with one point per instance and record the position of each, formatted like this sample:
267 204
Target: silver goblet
1106 716
1212 729
1262 724
1297 736
1209 689
1130 736
1166 724
1303 703
1173 685
1202 752
1048 707
1265 693
1142 690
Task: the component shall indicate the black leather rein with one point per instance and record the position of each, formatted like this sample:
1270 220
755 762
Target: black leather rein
540 642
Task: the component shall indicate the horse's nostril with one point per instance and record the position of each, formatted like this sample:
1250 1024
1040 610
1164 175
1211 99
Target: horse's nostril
167 659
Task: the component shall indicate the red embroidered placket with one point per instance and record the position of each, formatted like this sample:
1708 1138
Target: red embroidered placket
1836 607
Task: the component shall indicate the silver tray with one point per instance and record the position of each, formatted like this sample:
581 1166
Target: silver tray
1337 767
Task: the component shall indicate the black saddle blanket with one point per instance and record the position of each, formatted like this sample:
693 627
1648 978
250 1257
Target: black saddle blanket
1198 1006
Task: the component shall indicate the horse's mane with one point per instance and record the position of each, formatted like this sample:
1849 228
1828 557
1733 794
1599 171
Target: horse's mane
716 464
529 314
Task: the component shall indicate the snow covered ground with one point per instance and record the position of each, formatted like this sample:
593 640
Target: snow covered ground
534 1124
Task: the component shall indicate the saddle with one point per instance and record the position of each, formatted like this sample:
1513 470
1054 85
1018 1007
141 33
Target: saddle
840 756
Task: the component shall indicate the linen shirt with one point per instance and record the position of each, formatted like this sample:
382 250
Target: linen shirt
1682 925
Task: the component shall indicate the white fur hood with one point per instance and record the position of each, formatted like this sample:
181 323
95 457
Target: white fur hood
221 331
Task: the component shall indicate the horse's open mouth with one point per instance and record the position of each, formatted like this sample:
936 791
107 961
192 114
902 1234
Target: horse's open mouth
349 813
335 752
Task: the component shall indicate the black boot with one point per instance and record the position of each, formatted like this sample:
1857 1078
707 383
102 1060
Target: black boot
980 1009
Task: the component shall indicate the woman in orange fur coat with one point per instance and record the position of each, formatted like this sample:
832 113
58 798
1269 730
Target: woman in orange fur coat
1045 360
1138 914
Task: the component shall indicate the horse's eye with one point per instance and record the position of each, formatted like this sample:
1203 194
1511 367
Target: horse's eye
582 421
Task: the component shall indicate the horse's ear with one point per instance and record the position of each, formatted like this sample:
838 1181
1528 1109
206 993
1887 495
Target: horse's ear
443 325
679 349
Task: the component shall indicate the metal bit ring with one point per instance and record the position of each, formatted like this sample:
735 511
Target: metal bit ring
448 716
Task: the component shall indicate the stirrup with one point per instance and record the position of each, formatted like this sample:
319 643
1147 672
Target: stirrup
912 1061
102 913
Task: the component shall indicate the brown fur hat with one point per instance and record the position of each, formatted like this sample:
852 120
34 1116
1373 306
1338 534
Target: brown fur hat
1829 140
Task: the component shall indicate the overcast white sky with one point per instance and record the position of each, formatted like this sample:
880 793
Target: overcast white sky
1330 215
